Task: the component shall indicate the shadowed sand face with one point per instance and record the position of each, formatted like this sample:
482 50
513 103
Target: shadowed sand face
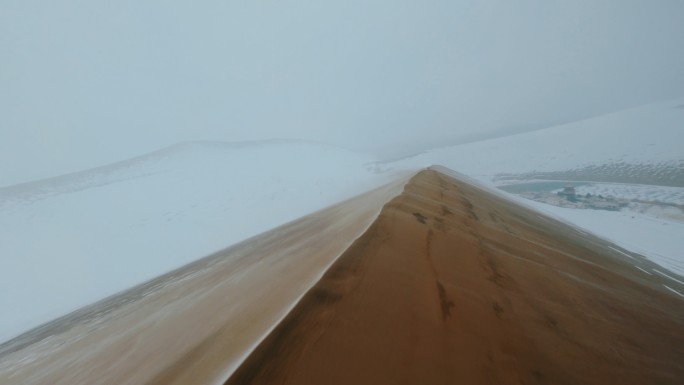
452 284
193 325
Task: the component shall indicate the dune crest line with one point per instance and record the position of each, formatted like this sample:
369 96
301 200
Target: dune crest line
194 324
454 284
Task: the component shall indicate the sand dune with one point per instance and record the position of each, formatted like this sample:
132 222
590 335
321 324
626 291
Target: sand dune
454 285
446 283
193 325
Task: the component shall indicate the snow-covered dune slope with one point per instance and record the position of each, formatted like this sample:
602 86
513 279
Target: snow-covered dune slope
71 240
659 239
639 145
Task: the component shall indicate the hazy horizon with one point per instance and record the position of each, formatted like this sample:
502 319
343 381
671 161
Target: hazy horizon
87 84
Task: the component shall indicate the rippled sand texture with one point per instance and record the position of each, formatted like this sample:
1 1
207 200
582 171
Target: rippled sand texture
196 324
454 285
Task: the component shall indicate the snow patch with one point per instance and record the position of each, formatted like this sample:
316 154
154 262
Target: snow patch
72 240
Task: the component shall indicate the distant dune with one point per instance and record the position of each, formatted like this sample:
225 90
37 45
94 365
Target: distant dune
443 282
85 236
637 145
194 324
77 236
453 285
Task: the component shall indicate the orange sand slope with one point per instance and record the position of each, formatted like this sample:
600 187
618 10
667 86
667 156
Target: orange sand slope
454 285
196 324
446 283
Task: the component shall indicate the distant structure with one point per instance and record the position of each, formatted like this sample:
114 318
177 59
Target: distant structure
569 193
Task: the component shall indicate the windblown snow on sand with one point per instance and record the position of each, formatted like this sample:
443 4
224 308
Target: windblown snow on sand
71 240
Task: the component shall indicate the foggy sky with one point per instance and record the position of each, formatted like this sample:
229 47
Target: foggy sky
83 83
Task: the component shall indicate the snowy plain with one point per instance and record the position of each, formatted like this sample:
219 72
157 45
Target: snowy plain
644 193
658 239
651 135
71 240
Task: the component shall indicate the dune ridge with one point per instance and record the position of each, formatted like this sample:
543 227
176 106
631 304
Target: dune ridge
426 280
195 324
452 284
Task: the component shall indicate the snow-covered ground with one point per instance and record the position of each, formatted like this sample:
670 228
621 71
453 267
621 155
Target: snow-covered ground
71 240
636 143
658 239
643 140
644 193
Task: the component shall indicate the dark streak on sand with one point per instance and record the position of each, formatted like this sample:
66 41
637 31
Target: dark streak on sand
461 298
